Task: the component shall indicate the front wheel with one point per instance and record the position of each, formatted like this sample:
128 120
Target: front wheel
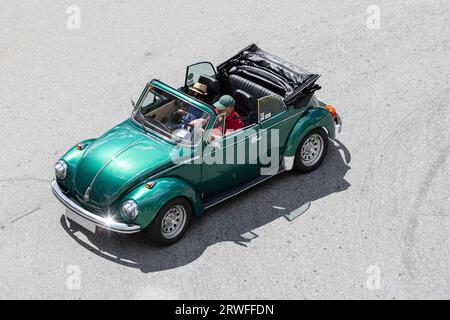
311 151
171 222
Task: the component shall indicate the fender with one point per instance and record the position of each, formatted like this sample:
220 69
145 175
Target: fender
150 201
72 158
314 117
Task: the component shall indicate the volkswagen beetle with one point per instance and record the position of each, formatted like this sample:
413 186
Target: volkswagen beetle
151 174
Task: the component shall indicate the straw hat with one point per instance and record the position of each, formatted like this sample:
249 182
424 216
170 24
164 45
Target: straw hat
200 88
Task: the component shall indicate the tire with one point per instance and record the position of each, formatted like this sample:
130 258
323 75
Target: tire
311 151
164 229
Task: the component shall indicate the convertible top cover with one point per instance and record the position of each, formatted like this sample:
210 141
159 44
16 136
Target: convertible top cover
268 70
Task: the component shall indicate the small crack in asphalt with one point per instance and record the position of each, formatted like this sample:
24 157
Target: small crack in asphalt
25 179
26 214
21 217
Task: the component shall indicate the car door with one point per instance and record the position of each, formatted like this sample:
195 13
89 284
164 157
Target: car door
275 123
194 71
229 160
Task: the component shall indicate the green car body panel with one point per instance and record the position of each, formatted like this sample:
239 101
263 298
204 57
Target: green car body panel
116 167
313 117
165 189
117 161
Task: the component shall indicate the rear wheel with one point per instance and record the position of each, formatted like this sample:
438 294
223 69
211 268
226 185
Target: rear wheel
311 151
171 222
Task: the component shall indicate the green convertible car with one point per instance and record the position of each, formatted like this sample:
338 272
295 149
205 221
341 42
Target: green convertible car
154 173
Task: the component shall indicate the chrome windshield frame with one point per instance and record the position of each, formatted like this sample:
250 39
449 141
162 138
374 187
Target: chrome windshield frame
150 130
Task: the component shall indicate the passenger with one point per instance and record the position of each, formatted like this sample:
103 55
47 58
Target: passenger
233 122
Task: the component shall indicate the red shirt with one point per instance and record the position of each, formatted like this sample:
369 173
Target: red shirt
233 122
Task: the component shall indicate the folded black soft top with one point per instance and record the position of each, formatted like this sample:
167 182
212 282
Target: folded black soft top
270 71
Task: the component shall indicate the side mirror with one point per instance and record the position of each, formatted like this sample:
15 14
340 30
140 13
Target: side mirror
133 103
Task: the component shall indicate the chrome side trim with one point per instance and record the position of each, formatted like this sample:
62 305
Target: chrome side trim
242 190
97 220
288 162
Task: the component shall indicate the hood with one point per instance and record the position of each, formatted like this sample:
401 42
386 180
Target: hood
117 161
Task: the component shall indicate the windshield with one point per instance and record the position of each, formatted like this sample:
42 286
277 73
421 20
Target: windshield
170 117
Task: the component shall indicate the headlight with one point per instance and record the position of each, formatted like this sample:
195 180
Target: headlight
61 169
130 209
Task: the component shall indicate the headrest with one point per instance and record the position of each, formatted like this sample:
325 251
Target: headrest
212 83
245 99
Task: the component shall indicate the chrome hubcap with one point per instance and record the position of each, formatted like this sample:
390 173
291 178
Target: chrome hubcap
173 222
312 150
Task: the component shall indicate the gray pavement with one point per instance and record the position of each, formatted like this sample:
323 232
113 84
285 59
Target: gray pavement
378 223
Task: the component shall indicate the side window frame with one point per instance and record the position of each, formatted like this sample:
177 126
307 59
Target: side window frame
220 117
263 117
188 82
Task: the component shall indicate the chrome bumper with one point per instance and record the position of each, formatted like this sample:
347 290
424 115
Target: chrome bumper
338 124
102 222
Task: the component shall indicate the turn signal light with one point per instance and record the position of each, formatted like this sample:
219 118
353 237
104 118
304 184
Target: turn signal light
332 110
150 185
81 146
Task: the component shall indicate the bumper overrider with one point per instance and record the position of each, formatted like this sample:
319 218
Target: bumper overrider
101 222
338 123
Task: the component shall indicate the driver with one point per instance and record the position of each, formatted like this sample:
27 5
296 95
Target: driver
199 91
183 117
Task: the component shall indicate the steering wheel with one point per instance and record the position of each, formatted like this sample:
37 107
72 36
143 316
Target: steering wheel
189 127
180 104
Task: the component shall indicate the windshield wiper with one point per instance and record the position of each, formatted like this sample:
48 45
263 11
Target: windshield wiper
162 125
156 124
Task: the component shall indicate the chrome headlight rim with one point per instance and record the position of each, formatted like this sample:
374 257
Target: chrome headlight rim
61 169
130 209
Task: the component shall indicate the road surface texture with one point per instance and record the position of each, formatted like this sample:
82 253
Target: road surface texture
371 223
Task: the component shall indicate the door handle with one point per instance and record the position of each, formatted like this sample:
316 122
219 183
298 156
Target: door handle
255 139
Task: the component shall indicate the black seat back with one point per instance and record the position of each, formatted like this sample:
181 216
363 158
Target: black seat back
255 90
213 87
245 102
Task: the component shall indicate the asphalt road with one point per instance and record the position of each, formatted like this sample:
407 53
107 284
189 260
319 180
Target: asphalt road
372 221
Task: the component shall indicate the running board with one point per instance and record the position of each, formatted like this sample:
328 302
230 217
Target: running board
212 201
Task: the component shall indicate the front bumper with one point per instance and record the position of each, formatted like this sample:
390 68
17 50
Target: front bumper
101 222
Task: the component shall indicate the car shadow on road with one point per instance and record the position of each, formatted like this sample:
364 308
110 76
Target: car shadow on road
234 220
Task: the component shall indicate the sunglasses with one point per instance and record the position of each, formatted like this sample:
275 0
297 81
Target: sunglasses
196 95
